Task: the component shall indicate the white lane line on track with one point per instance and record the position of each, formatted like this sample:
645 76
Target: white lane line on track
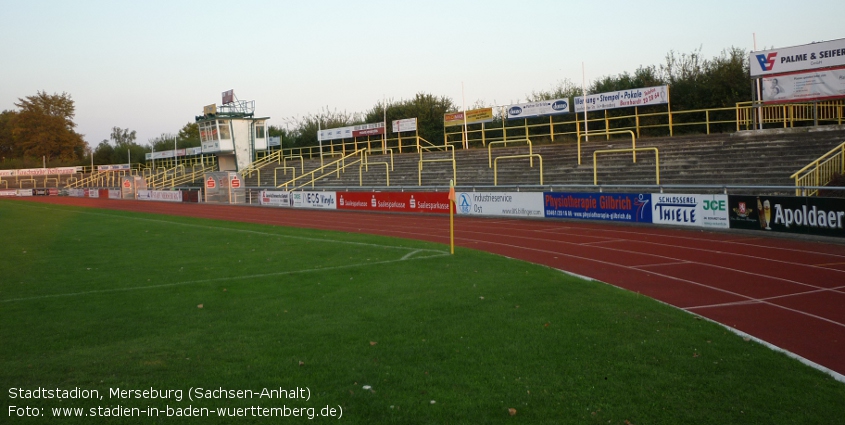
672 278
676 263
837 290
230 278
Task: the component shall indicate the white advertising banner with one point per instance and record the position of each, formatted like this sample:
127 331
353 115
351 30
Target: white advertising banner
502 204
93 193
799 58
46 171
804 86
322 200
690 210
7 173
275 198
8 192
24 192
409 124
160 195
116 167
337 133
537 109
624 98
78 193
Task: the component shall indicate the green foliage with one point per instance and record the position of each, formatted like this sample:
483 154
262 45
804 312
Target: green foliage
428 109
43 127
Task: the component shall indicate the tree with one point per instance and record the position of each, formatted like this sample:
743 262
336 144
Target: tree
44 127
8 149
190 133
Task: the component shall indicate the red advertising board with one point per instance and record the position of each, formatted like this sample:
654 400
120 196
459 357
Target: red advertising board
368 132
412 202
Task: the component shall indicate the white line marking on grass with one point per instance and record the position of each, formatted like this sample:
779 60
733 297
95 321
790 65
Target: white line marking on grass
230 278
304 238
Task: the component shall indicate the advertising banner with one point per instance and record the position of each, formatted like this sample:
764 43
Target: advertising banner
7 173
46 171
804 86
368 129
500 204
411 202
624 98
78 193
93 193
799 58
598 206
792 214
275 198
8 192
115 167
40 192
24 192
709 211
336 133
409 124
160 195
321 200
537 109
113 193
274 141
475 116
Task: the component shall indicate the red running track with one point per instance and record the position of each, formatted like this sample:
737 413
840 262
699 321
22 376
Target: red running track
789 293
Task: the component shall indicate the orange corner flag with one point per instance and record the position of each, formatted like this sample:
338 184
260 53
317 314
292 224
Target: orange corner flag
452 194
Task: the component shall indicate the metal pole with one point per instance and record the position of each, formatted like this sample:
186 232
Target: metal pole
757 84
584 97
464 106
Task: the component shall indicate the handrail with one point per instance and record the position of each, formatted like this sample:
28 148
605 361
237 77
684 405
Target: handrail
821 171
276 176
192 177
5 182
505 142
366 154
258 164
301 162
313 173
361 174
496 165
656 160
608 134
422 161
430 145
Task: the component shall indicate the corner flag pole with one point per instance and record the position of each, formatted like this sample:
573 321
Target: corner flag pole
452 204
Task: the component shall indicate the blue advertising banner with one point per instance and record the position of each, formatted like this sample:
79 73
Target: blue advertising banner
630 207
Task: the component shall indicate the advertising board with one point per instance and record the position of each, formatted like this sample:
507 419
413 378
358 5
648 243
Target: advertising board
798 58
804 86
500 204
275 198
412 202
709 211
539 108
624 98
160 195
791 214
475 116
598 206
319 200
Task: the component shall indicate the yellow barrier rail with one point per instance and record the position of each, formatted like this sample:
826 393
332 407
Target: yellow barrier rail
315 177
496 165
505 143
821 171
301 162
276 175
608 134
361 173
422 161
5 183
367 154
656 161
196 173
34 183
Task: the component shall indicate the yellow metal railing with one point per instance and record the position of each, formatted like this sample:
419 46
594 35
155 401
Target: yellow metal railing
276 175
313 173
608 134
258 164
496 165
197 172
742 116
656 161
821 171
422 161
505 143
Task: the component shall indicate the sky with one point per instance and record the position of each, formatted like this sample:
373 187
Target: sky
151 66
